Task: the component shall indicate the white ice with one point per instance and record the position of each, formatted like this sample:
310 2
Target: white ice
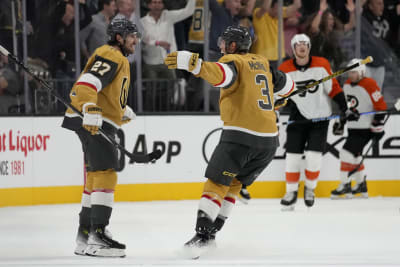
357 232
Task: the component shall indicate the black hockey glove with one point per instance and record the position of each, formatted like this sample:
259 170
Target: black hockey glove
377 129
352 114
338 127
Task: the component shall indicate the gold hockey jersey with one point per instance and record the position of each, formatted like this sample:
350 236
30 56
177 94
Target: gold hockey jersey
247 96
104 81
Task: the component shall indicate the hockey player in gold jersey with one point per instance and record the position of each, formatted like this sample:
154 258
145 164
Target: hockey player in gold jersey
101 94
249 138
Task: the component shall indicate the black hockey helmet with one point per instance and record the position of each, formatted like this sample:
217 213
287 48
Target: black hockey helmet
123 27
238 34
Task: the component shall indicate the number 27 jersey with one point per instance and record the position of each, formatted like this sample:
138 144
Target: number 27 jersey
105 82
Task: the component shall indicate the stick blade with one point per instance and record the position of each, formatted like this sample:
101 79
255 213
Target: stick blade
4 51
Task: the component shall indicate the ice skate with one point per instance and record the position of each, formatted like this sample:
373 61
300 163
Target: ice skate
289 200
360 189
309 197
81 241
342 192
198 245
100 244
244 196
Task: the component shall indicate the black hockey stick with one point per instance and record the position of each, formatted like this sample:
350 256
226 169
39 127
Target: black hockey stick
151 157
333 75
353 171
388 111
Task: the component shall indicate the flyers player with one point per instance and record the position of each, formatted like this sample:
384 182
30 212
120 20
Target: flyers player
308 138
363 94
249 138
101 94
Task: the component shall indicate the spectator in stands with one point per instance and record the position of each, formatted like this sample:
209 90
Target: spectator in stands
265 20
127 8
375 33
326 32
392 8
291 27
10 86
95 34
159 38
6 26
222 16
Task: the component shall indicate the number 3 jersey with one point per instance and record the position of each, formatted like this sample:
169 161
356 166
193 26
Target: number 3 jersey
365 96
246 100
105 82
316 102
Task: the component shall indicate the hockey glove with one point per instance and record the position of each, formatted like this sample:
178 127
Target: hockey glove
280 103
338 127
352 114
128 115
92 119
377 129
184 60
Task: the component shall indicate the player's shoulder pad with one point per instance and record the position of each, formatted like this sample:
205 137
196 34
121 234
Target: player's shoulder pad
287 66
369 83
228 58
321 62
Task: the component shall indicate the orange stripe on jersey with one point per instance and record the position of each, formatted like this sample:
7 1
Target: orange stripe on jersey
310 175
374 92
88 85
292 177
223 74
287 66
323 62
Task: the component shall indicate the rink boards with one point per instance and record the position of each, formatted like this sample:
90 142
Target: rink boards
42 163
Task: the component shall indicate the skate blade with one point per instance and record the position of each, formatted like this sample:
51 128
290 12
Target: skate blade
288 208
80 249
194 252
101 251
244 201
360 195
345 196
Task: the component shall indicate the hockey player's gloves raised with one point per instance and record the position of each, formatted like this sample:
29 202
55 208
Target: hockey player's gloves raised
377 131
128 115
280 103
184 60
92 119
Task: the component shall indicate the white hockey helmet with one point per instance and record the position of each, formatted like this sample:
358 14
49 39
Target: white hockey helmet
300 38
360 69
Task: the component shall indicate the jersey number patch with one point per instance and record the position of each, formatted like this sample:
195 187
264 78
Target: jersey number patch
260 79
123 98
100 67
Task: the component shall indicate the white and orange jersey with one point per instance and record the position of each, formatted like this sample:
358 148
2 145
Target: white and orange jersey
365 96
316 102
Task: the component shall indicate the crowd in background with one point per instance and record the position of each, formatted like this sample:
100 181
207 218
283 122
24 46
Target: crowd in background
172 25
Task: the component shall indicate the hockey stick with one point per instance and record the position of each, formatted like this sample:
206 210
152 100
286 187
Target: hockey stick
151 157
389 111
353 171
367 60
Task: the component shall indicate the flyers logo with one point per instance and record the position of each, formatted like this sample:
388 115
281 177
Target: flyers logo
352 101
311 90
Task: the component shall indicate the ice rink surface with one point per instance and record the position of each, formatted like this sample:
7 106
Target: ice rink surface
357 232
